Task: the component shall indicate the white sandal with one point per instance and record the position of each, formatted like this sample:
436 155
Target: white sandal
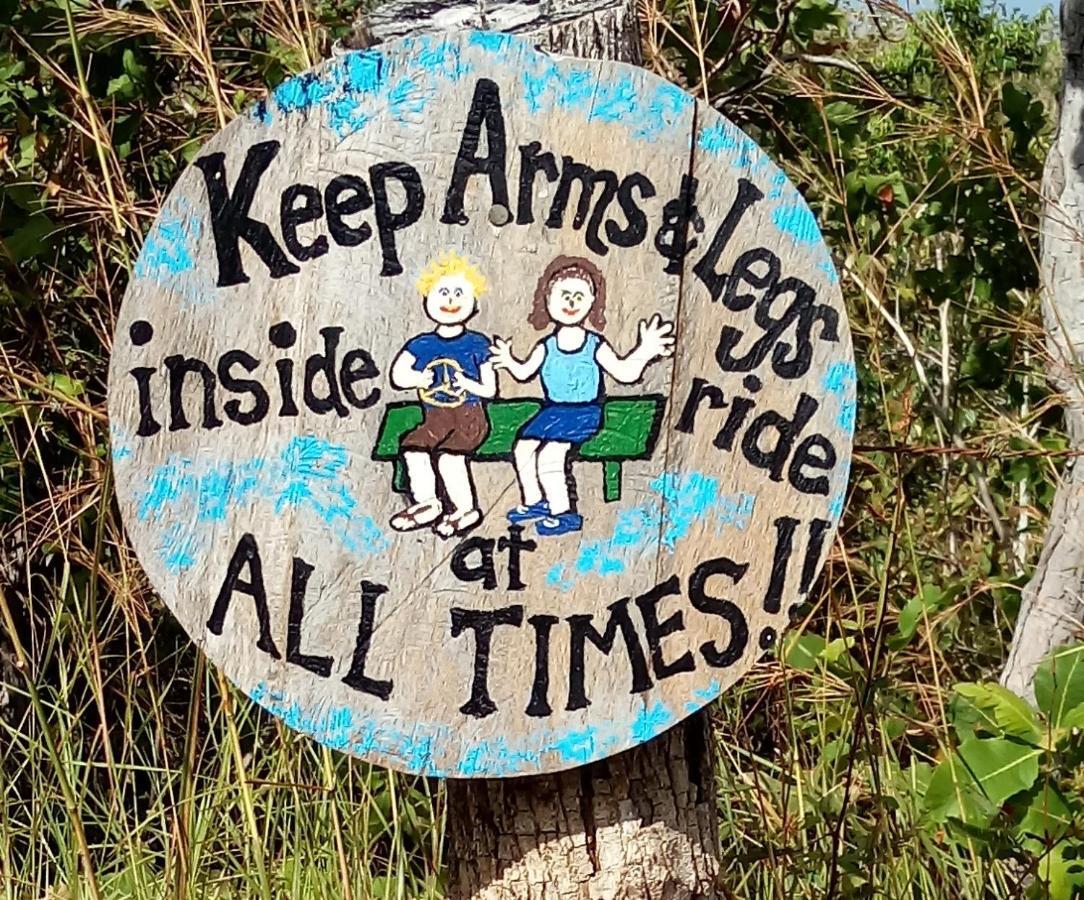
458 522
417 516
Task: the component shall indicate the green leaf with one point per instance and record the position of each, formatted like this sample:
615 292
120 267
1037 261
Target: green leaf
1062 874
32 238
1048 816
953 794
1000 767
1059 683
1011 714
803 650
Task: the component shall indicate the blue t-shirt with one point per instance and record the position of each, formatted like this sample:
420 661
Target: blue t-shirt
468 351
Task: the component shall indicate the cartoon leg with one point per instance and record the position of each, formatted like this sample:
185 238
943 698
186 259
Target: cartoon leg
552 459
551 472
426 508
457 484
525 453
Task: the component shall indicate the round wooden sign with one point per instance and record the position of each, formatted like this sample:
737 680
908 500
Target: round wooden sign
482 412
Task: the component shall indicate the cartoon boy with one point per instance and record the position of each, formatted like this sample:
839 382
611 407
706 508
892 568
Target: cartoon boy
450 368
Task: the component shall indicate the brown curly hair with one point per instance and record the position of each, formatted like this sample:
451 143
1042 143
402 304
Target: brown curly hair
569 267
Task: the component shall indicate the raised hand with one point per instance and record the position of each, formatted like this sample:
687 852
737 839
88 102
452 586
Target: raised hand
500 353
656 338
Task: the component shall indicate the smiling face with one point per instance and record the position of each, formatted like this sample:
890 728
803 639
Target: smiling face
451 300
570 300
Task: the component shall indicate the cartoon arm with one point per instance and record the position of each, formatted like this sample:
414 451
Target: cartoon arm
407 378
485 387
500 354
656 341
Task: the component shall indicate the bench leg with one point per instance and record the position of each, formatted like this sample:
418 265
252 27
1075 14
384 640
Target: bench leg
611 480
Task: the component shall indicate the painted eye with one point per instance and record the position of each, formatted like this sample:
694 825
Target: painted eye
458 293
444 292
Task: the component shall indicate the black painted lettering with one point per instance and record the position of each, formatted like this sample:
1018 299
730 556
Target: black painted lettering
347 195
485 109
230 220
573 172
292 213
815 452
356 677
148 425
482 623
532 160
679 214
324 364
784 547
299 582
247 553
178 367
260 401
699 391
582 630
655 631
635 229
358 365
787 430
719 606
515 545
539 704
479 570
818 528
389 222
706 267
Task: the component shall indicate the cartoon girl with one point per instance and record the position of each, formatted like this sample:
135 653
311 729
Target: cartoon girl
570 360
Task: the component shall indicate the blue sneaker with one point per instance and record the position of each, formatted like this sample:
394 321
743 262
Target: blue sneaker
560 524
519 514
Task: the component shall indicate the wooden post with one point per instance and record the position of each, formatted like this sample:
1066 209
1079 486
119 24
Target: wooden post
1052 606
640 824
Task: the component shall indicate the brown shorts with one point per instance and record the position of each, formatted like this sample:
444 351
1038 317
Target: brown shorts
460 429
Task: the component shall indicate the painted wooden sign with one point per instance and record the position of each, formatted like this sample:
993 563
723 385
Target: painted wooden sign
481 412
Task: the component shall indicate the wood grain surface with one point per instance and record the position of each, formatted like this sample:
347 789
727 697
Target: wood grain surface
281 393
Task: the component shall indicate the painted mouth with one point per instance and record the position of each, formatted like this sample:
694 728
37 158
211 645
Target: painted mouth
450 309
569 312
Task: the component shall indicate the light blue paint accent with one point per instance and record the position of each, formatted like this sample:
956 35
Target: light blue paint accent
723 138
495 42
555 578
118 443
835 507
177 548
703 696
795 219
169 249
417 749
840 378
829 270
684 499
307 476
651 722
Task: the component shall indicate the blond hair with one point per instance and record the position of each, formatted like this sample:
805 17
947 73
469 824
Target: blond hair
450 263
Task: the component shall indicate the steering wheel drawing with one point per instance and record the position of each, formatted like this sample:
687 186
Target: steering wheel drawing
442 392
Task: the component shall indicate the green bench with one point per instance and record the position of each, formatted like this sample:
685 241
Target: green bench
630 427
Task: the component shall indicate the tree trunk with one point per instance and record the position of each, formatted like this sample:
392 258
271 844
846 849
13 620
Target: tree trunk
1052 606
639 824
